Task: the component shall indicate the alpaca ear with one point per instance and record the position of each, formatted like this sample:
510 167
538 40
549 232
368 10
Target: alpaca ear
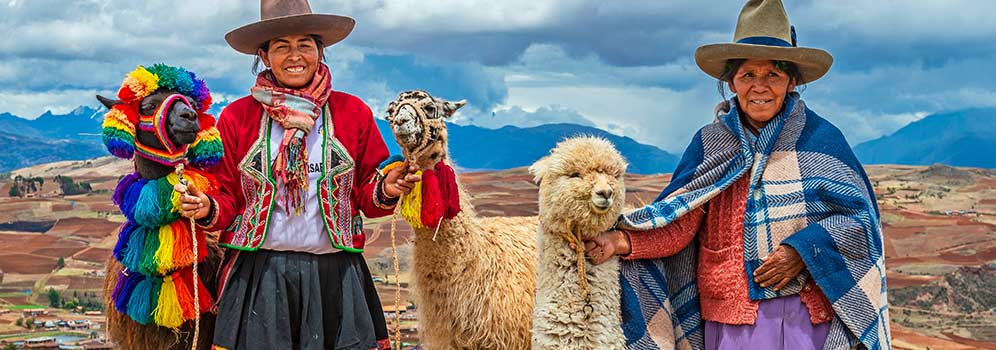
108 102
539 169
452 107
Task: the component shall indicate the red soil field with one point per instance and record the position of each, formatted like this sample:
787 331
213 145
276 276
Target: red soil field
26 263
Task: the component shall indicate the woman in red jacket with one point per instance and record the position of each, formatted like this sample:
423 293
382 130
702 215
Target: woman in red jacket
300 166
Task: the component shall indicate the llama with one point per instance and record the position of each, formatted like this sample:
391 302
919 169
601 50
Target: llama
475 277
160 117
581 195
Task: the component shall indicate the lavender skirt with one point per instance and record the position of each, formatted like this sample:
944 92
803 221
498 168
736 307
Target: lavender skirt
782 323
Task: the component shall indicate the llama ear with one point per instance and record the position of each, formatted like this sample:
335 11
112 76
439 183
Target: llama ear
107 102
390 110
539 169
452 107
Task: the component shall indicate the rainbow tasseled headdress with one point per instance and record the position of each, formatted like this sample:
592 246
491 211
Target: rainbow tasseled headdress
121 121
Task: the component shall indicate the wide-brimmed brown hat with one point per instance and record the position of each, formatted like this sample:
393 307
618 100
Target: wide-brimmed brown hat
288 17
763 32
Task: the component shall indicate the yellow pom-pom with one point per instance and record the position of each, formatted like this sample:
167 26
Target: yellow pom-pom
142 82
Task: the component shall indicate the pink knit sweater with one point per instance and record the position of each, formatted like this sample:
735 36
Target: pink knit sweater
722 278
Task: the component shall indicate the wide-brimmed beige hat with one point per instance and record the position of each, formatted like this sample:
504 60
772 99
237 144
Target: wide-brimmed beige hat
288 17
763 32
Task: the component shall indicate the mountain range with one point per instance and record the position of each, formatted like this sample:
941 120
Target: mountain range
960 138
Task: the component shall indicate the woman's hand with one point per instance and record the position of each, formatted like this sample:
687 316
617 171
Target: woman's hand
400 180
607 244
780 268
193 203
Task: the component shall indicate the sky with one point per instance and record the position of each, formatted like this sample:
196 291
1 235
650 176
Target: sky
623 66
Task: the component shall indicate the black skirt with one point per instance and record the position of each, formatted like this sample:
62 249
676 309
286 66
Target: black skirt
292 300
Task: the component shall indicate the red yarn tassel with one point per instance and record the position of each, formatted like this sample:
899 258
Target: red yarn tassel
433 208
183 245
448 190
206 300
184 295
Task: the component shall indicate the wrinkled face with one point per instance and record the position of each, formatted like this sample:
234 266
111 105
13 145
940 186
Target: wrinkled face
761 89
417 121
294 59
581 185
182 125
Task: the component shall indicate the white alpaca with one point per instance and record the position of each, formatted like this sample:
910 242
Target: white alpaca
581 195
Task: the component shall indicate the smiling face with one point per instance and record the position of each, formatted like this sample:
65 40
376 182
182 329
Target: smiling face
761 89
293 59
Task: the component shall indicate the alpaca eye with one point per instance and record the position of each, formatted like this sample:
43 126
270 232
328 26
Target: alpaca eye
430 110
434 155
575 174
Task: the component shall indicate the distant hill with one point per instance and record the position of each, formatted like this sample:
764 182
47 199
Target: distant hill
75 136
961 138
479 148
50 137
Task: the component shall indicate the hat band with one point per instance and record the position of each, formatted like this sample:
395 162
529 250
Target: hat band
764 40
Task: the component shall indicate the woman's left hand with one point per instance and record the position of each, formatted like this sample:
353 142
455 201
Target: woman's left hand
780 268
400 180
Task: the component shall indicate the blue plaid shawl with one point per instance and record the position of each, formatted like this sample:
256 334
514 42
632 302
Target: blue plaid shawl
807 190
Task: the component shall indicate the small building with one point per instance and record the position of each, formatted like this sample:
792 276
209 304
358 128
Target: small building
41 343
34 312
50 325
93 313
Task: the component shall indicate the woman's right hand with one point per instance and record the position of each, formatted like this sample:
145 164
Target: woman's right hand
193 203
601 248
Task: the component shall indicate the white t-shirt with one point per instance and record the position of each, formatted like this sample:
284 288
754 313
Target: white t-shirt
304 232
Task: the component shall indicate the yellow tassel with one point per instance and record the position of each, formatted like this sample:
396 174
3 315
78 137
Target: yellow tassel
164 255
411 205
168 312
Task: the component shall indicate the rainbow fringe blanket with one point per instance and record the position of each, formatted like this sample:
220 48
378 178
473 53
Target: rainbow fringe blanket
156 248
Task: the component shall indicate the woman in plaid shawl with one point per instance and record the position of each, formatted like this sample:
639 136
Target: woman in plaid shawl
768 231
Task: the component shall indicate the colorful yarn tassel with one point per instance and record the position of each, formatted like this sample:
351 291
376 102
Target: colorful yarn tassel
184 295
127 281
164 254
124 233
168 312
123 184
133 251
187 274
183 244
411 205
448 190
432 205
207 149
147 264
130 199
140 302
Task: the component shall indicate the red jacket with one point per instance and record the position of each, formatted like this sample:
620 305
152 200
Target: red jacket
248 190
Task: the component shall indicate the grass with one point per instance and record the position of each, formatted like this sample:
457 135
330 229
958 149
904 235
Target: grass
22 307
12 295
